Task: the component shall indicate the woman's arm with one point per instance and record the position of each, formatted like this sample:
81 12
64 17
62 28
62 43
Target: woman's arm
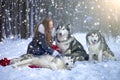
45 47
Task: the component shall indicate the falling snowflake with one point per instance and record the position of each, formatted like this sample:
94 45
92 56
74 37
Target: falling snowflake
85 21
97 23
41 10
31 46
105 65
9 19
99 6
92 7
40 42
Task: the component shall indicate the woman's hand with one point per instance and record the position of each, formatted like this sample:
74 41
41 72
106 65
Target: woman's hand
56 53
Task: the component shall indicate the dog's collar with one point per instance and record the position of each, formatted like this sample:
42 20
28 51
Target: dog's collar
61 41
66 41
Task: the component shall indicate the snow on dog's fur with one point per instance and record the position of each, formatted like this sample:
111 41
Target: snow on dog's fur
46 61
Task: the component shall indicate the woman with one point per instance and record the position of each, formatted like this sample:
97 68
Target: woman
43 39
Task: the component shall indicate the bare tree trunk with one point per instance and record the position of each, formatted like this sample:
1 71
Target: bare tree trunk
27 19
23 26
18 19
13 16
1 20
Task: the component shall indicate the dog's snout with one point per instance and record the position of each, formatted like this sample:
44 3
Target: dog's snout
67 64
95 40
60 34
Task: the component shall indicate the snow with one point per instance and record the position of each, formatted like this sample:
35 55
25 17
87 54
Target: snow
83 70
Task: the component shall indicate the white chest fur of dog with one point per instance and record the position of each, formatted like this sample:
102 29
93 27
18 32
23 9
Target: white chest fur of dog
95 50
46 61
63 46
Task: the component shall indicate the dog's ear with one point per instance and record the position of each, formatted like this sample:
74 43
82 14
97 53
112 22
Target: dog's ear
96 31
69 27
59 26
74 58
99 33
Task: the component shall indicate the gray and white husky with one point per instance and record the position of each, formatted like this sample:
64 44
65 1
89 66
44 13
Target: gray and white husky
68 45
44 61
97 47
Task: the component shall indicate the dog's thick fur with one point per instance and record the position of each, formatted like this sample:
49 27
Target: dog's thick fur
45 61
68 45
97 47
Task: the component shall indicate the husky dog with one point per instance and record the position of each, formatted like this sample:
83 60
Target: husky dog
97 47
45 61
68 45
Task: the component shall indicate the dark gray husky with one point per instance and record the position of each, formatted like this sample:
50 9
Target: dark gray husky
68 45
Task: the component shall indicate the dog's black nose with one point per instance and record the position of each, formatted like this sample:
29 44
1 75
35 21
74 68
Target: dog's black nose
60 34
95 40
67 64
87 58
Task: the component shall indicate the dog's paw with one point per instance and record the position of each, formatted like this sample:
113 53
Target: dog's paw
13 66
58 56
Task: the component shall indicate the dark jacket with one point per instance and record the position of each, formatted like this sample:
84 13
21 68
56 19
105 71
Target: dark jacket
39 47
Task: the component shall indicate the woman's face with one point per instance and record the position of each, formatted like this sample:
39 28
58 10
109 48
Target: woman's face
51 25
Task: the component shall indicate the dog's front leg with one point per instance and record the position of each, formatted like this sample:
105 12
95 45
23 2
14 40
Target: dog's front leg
90 56
69 52
100 54
53 66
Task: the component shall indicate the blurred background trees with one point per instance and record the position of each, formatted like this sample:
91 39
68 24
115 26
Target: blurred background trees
18 17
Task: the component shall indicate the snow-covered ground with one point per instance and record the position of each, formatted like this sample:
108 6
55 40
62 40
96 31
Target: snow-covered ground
81 71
